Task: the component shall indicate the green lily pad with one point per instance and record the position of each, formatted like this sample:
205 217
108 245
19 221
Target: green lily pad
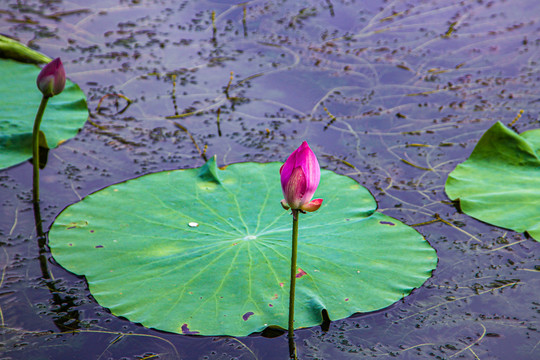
207 251
64 116
500 182
12 49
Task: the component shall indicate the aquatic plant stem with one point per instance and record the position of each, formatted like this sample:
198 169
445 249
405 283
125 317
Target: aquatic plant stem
35 147
292 347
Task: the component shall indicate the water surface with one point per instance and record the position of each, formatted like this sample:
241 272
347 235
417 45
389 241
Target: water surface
391 93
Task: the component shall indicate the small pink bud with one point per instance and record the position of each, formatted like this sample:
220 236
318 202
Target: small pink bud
300 177
52 78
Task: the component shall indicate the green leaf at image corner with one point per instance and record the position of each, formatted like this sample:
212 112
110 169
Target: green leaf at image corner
207 251
12 49
65 114
500 182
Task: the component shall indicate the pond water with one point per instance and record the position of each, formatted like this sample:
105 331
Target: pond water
391 93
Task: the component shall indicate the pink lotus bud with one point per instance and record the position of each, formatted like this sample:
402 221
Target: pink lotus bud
52 78
300 177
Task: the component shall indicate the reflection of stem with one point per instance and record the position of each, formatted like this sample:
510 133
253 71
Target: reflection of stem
292 347
35 147
67 316
39 227
41 243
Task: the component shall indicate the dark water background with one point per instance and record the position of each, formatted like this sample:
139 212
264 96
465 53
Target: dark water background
408 88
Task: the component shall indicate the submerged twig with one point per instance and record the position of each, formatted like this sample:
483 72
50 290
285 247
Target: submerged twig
244 345
450 30
128 102
438 218
123 335
2 323
475 342
214 29
58 15
513 283
417 145
103 130
217 121
175 105
426 222
518 116
201 153
332 118
244 24
331 8
507 245
229 85
416 166
344 162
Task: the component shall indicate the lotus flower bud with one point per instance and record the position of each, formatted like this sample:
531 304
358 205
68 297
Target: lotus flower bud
300 177
52 78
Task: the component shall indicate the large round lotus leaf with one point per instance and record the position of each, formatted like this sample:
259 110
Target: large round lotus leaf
500 182
19 101
207 251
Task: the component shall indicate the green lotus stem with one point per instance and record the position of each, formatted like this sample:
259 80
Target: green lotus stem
292 347
35 146
300 176
50 81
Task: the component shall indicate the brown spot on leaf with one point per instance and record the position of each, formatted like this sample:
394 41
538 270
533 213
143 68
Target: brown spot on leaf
247 315
300 273
186 331
387 223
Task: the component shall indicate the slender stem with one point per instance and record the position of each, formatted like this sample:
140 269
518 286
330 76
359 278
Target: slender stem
35 146
292 348
41 244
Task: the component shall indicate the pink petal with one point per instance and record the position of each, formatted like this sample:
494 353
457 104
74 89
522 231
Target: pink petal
287 169
52 78
299 187
296 188
313 205
308 161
